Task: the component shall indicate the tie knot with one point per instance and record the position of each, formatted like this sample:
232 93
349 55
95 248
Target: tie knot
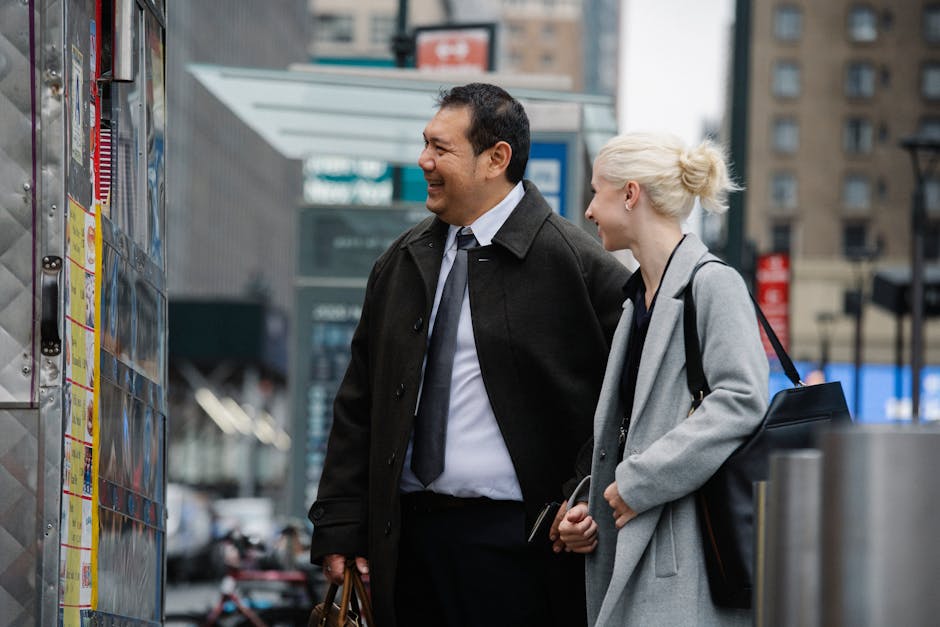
466 240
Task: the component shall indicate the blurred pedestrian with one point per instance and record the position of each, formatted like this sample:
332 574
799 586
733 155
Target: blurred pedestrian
475 369
639 527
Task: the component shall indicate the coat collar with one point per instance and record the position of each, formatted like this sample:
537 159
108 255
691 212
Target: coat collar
516 235
666 316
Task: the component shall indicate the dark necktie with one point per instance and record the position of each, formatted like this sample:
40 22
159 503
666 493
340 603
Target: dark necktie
427 456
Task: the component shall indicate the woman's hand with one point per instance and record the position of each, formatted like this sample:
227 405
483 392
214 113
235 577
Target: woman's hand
622 512
577 530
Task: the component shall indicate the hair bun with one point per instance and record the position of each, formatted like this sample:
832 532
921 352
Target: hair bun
697 169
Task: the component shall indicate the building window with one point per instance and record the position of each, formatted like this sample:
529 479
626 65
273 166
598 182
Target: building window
334 27
932 24
860 80
930 81
932 196
548 31
783 190
932 240
857 136
780 237
929 128
788 23
382 27
863 24
786 79
786 135
854 239
548 60
856 192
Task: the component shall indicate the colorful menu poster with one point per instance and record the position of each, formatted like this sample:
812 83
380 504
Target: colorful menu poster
79 476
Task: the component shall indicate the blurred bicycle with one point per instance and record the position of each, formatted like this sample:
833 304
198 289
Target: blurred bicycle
260 588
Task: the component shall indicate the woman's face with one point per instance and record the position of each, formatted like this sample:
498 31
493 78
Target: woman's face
608 211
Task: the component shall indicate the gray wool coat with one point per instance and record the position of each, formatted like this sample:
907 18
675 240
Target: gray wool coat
652 572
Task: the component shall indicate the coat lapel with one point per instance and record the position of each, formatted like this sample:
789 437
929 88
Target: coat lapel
667 315
426 246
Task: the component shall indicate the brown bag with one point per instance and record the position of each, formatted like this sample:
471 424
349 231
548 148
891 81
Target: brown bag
348 612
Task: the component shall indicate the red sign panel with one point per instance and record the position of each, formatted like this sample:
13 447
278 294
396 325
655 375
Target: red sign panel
453 49
773 296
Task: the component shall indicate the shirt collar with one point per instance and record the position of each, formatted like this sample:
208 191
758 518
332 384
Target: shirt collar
485 227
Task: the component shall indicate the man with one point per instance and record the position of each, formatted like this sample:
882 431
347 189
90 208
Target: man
467 399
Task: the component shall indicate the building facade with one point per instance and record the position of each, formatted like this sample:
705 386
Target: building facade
231 204
533 36
832 89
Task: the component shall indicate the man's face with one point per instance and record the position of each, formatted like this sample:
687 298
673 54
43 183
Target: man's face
455 176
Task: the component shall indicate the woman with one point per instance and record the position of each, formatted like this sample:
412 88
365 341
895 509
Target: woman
639 526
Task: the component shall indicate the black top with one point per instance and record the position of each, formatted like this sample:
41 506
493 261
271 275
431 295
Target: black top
635 290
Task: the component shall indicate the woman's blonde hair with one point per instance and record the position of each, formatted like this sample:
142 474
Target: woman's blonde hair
672 174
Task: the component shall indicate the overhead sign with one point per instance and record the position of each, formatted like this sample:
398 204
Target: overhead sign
773 296
467 47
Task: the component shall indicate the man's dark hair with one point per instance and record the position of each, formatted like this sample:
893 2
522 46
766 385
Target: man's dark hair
494 116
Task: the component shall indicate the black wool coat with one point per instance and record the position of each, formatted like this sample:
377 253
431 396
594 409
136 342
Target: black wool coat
545 299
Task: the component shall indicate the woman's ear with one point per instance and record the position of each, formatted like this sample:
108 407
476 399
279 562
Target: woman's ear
631 194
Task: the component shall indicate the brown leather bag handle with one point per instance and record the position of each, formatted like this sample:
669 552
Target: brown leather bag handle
365 604
327 604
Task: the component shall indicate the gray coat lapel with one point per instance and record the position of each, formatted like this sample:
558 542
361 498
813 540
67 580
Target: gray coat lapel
667 315
608 404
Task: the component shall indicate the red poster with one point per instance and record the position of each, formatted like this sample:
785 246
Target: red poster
773 296
453 49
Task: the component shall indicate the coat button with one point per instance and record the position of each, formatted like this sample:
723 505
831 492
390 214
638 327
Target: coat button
418 325
388 527
400 391
317 514
391 459
603 454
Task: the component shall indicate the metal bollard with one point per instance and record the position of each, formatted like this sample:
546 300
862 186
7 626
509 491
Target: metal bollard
790 585
881 554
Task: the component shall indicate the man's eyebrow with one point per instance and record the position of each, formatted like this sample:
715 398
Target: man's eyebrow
436 140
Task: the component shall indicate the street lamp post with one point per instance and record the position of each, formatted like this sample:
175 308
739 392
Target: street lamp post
925 153
855 304
824 319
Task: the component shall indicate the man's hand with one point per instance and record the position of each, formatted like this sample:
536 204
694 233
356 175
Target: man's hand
334 568
578 530
622 512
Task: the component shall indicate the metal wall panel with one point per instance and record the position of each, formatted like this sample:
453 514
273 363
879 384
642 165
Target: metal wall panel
17 259
19 451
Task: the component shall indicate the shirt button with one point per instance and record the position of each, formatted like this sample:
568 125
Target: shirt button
418 325
400 391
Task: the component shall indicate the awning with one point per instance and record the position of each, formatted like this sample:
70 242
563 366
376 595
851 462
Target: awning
368 113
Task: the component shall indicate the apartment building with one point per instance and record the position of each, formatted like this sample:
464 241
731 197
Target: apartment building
832 89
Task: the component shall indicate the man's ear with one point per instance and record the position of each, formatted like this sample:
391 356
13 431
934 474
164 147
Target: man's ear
500 154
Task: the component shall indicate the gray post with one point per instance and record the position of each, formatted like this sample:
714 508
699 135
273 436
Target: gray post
880 556
790 585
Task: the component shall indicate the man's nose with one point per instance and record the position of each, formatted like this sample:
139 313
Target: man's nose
424 161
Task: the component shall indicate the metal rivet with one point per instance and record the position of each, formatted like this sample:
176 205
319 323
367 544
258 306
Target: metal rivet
26 370
27 187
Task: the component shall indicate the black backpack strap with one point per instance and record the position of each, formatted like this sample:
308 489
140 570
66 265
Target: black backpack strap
695 372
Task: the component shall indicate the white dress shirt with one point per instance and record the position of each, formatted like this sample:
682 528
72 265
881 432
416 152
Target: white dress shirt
476 460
